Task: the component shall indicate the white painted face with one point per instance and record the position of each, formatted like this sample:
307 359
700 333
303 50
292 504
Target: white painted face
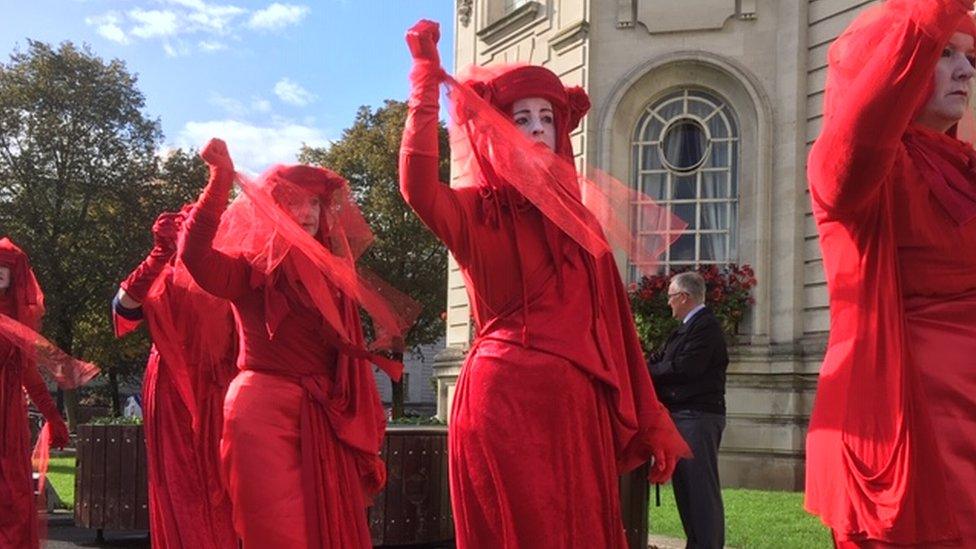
534 117
305 209
951 84
4 278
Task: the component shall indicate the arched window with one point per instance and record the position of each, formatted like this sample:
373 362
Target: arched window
685 153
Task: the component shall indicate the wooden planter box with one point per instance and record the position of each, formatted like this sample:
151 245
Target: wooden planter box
415 506
111 490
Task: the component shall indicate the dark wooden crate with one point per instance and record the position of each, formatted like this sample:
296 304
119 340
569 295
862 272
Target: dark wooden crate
111 489
415 506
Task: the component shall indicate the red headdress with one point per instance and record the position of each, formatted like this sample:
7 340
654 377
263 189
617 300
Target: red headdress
22 328
594 211
258 226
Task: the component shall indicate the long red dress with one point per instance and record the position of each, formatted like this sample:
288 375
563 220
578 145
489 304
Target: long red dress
190 365
23 353
891 451
554 400
303 422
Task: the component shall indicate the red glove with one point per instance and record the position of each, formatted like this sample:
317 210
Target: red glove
37 390
420 131
663 467
215 195
165 230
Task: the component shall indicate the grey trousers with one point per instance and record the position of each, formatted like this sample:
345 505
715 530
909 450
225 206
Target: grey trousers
697 491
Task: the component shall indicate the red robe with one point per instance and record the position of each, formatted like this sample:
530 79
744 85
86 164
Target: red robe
182 396
303 423
18 516
549 407
891 450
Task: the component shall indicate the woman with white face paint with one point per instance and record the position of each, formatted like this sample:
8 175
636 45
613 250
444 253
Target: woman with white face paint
555 391
891 449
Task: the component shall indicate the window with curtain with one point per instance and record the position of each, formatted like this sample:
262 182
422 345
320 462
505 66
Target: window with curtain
685 153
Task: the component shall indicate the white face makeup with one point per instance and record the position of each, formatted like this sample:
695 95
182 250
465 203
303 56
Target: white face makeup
305 210
951 84
534 117
4 278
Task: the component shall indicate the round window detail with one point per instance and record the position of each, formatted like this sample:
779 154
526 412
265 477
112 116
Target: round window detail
685 145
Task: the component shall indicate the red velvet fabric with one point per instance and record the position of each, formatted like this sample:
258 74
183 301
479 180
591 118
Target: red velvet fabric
190 366
22 352
891 450
554 399
303 421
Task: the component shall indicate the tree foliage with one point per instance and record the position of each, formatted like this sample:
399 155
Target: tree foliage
80 186
406 254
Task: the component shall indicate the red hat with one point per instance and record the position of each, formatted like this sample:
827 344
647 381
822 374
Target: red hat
570 104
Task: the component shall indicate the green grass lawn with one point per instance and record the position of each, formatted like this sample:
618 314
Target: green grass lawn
61 475
753 519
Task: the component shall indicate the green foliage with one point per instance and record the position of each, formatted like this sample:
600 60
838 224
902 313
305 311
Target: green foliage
405 253
115 420
727 294
80 187
753 518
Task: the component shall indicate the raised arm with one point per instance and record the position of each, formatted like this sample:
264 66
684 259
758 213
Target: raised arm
127 305
880 74
436 204
217 273
39 395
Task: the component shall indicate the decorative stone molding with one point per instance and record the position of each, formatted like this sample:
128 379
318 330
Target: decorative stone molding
660 16
464 9
569 36
510 22
625 14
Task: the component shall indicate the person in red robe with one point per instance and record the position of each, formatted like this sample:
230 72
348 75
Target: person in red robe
891 449
554 400
190 366
21 309
303 422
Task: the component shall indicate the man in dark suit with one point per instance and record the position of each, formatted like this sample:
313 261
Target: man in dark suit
689 377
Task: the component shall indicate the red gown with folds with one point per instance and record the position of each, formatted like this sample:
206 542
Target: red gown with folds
554 400
302 422
891 450
18 517
187 375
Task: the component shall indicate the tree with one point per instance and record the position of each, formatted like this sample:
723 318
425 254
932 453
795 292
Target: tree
79 188
405 253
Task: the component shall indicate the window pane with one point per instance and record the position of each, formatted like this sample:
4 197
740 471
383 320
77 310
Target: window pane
686 212
720 155
654 185
714 216
671 109
683 249
715 184
713 247
652 131
700 108
684 187
651 158
684 145
718 125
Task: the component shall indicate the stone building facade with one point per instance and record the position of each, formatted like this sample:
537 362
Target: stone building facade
745 78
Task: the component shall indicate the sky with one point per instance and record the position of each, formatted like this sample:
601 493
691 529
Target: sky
264 75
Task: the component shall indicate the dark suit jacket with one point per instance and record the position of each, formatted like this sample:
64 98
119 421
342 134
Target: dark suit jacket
689 371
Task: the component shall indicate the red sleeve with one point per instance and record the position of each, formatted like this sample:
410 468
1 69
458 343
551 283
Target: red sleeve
879 75
435 203
217 273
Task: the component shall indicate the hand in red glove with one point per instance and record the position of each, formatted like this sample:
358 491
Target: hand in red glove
214 197
422 40
165 231
663 467
37 391
59 432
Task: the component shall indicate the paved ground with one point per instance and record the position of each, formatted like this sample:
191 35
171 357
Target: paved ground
63 534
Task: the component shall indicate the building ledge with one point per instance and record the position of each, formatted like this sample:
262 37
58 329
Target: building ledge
511 22
570 36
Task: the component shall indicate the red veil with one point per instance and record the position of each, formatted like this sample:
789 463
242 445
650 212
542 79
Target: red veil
256 226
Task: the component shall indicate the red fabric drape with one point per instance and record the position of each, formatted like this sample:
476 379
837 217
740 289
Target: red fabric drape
891 206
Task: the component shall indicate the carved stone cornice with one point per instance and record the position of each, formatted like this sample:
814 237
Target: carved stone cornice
510 22
569 36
